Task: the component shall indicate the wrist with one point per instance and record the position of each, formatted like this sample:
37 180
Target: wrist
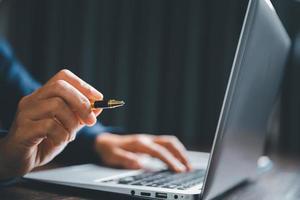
100 139
4 170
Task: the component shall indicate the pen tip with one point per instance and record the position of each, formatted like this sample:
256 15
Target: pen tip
114 102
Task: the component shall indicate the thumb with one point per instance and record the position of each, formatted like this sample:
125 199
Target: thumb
97 112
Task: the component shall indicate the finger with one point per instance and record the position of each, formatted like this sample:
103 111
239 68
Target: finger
161 153
175 147
97 112
51 130
125 159
56 108
76 100
86 89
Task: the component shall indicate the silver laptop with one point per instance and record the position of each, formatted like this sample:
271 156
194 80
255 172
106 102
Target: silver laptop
253 87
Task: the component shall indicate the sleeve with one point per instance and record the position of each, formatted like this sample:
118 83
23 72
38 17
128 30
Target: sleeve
16 82
82 150
5 183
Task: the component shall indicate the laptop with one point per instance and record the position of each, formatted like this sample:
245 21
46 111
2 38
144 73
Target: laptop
253 87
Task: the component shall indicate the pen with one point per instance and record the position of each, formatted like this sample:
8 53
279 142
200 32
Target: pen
107 104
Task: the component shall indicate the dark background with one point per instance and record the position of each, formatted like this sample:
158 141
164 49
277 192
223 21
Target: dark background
168 59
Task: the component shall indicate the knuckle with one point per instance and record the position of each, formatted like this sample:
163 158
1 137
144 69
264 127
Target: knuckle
57 103
22 102
140 139
101 96
64 72
89 89
171 139
85 107
60 84
86 103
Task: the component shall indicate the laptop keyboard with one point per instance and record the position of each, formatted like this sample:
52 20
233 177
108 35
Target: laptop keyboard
164 179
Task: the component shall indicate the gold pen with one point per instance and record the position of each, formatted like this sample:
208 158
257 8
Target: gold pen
107 104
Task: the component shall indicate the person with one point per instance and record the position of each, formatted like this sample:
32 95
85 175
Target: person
41 121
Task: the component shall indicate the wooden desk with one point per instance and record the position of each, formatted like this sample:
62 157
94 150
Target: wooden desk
283 182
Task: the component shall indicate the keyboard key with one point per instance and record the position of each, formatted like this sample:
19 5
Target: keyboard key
126 180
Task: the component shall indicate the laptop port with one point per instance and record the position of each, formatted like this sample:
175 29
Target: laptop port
147 194
161 195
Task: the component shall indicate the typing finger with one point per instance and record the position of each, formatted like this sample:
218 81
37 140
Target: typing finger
159 152
175 147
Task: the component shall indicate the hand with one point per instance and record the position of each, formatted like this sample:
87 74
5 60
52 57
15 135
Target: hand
46 121
120 151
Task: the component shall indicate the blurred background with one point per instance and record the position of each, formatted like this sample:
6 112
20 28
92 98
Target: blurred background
169 60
